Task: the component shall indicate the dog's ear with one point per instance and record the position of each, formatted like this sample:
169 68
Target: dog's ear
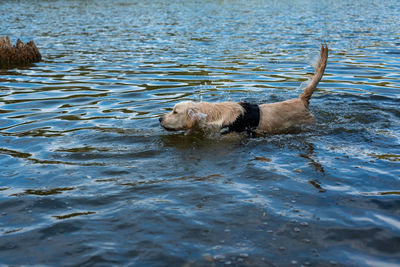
192 117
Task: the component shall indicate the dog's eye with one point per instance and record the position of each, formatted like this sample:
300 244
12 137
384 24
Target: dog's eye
174 112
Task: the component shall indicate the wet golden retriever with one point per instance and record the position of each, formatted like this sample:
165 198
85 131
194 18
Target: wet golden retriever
228 117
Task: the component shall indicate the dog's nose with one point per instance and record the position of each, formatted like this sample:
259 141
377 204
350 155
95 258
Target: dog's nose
160 119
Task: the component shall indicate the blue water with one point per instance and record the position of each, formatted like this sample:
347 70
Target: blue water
88 177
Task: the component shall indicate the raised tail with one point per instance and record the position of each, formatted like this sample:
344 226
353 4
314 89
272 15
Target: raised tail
319 72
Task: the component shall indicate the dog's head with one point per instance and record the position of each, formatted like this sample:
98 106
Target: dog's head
184 116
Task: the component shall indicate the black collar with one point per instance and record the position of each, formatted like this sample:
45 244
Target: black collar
246 122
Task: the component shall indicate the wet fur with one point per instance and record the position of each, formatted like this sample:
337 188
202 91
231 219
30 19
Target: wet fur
275 117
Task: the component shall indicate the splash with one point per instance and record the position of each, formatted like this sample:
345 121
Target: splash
304 84
313 59
196 114
201 89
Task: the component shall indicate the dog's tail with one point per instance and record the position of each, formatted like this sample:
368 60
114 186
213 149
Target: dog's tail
319 71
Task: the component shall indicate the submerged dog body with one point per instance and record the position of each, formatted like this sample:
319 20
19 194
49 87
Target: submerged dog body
225 116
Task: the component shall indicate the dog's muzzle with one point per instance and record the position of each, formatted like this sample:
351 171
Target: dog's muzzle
165 127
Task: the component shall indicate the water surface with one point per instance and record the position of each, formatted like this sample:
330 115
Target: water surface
87 176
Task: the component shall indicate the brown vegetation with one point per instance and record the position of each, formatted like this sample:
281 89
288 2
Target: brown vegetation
19 54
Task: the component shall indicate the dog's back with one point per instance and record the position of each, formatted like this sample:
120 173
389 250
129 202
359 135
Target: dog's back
277 117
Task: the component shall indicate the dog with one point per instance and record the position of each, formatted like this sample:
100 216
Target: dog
228 117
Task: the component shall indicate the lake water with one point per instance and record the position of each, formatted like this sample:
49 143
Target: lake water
88 177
